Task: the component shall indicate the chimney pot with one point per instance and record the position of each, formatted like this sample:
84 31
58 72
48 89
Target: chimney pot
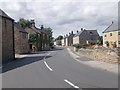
77 31
32 22
42 27
71 32
81 29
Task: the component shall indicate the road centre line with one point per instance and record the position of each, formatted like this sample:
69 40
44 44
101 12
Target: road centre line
70 83
47 66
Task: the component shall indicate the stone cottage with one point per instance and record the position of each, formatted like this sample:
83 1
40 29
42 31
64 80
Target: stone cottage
69 39
111 36
21 39
85 36
41 42
7 38
33 31
63 41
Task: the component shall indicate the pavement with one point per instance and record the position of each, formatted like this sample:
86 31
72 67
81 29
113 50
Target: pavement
96 64
55 69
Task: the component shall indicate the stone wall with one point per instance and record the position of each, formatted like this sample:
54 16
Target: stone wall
21 42
102 54
7 40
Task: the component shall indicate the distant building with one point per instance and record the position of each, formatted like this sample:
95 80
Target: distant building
63 41
21 39
7 38
69 39
85 36
111 36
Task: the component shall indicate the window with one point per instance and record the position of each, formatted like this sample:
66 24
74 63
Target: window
105 35
110 34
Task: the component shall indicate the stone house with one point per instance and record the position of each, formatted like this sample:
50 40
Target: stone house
85 36
21 39
7 38
42 43
69 39
63 41
111 36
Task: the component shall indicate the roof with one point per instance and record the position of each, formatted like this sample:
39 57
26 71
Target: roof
19 27
93 32
79 33
3 14
113 27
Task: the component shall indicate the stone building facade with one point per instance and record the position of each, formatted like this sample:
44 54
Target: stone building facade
111 36
7 42
42 37
21 39
86 36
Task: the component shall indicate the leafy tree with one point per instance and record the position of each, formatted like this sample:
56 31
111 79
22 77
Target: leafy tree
24 23
33 38
59 37
49 32
101 39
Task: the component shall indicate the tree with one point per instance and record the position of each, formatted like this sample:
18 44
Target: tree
59 37
32 38
49 33
24 23
101 39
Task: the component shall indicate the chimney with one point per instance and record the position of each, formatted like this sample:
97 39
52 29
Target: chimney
77 31
71 32
81 29
66 35
112 22
42 27
32 23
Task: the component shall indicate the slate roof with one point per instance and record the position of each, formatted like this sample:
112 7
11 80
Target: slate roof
3 14
79 33
93 32
19 27
113 27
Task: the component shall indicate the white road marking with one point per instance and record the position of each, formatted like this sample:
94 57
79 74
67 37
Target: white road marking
46 55
70 83
47 66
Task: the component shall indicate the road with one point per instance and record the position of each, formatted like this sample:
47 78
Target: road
55 69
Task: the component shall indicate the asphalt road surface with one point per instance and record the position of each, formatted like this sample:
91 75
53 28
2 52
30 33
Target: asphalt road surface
55 69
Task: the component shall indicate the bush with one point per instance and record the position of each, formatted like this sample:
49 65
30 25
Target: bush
85 45
77 46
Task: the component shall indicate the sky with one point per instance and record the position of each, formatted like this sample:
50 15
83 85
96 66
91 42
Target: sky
64 16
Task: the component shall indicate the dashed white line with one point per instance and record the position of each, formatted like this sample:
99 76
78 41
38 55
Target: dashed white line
70 83
47 66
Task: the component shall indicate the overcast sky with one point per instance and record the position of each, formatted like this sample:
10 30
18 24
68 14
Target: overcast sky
63 16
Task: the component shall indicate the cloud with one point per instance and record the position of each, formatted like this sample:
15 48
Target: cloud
64 16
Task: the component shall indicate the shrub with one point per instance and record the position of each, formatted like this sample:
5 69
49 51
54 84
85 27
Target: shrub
77 46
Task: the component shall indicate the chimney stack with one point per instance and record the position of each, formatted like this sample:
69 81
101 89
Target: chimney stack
81 29
71 32
42 27
66 35
112 22
77 31
32 23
